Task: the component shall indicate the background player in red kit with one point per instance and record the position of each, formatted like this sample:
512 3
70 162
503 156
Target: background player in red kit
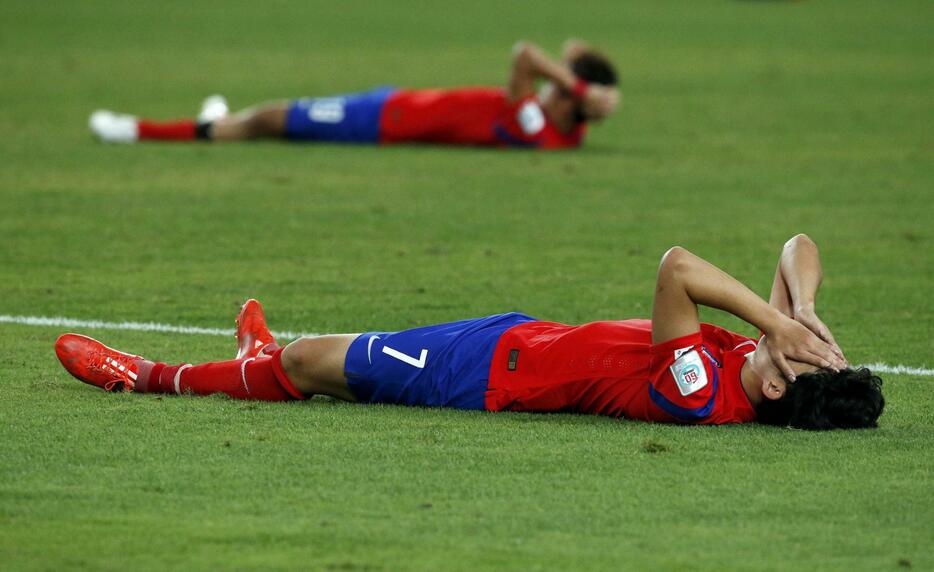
579 88
670 369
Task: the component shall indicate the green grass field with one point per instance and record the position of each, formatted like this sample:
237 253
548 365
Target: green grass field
743 123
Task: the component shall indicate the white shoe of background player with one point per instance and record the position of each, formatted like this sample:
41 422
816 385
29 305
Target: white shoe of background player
212 109
112 127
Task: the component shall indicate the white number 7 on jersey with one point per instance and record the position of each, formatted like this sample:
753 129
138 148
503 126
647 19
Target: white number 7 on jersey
419 363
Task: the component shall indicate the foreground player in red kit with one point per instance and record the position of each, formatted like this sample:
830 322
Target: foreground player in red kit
671 369
579 88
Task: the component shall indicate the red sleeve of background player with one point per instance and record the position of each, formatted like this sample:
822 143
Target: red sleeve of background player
523 123
684 379
519 122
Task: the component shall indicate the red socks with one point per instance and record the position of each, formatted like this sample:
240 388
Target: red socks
259 378
185 130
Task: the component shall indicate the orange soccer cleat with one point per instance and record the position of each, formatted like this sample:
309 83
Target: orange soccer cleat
94 363
252 334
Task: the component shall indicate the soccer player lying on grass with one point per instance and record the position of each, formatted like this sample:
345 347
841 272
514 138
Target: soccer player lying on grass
671 369
579 89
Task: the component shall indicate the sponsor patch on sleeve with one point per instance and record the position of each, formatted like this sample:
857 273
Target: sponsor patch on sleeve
530 117
689 372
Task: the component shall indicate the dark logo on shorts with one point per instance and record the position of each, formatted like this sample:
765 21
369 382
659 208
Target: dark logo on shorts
513 360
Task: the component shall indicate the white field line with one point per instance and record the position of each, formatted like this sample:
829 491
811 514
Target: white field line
60 322
906 369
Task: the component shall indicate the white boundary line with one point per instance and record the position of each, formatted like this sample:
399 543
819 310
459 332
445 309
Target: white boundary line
879 367
60 322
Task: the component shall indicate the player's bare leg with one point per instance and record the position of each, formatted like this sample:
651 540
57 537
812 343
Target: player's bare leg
261 122
316 365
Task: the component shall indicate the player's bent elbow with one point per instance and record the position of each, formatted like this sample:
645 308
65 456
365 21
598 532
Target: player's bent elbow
521 50
524 55
673 263
573 47
674 256
800 239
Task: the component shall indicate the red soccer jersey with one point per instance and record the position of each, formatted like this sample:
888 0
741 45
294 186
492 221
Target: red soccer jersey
612 368
470 116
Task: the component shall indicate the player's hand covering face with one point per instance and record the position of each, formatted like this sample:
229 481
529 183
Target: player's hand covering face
808 318
599 101
790 340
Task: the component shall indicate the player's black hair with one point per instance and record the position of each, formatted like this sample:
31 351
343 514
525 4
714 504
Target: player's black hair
822 400
594 68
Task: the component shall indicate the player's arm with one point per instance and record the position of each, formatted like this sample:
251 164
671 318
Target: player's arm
797 279
686 281
529 64
571 49
780 297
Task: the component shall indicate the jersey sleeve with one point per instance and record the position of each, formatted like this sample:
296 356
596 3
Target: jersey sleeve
684 379
524 124
520 122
